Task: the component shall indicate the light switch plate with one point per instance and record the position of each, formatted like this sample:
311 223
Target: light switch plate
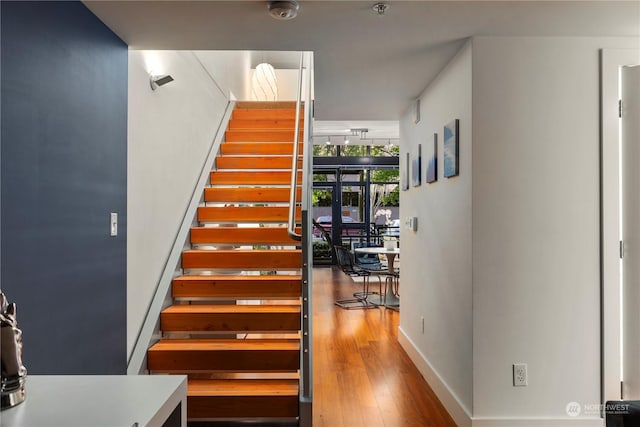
412 223
114 224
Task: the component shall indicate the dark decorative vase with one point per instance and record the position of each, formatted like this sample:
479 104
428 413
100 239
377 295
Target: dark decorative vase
14 374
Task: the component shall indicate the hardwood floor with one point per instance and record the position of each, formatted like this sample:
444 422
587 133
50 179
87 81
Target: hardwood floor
362 377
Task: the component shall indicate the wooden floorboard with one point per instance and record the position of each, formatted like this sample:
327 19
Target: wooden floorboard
362 377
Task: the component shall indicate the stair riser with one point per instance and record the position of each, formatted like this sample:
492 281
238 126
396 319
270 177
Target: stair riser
206 407
236 290
276 148
230 162
265 235
261 136
223 360
252 178
249 195
231 322
264 214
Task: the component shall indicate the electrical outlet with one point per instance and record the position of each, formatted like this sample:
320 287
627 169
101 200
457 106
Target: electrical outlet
422 323
520 375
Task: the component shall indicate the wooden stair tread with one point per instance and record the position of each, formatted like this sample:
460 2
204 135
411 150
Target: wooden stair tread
208 345
225 309
264 123
269 387
217 399
239 278
231 318
248 178
249 194
275 135
248 113
295 376
237 287
266 105
255 162
255 148
238 214
256 235
232 355
239 259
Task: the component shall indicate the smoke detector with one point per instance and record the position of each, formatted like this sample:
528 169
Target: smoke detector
283 10
380 8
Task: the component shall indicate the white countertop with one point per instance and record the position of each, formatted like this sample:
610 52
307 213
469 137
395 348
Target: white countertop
98 401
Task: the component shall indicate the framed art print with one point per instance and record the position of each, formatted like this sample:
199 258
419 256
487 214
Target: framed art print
432 164
451 149
416 168
405 174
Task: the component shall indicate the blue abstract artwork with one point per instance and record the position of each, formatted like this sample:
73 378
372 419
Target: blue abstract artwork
451 149
416 168
405 174
432 164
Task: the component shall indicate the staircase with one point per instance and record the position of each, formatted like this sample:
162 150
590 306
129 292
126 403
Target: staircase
234 326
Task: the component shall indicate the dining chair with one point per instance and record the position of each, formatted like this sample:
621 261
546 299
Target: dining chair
367 261
349 267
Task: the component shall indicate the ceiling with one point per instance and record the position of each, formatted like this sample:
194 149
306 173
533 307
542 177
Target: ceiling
367 67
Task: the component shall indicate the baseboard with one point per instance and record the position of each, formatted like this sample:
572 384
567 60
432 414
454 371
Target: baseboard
457 410
538 422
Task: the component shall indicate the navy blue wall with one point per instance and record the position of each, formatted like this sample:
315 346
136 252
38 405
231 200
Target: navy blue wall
63 169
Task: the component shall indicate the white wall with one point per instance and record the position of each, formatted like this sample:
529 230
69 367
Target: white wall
505 267
436 260
287 81
169 133
230 69
536 265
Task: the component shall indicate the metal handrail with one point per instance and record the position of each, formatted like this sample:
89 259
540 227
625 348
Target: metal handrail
291 225
306 370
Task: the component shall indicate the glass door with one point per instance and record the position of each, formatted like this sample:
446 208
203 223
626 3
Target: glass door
325 202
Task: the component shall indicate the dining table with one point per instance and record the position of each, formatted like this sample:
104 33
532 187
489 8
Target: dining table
390 299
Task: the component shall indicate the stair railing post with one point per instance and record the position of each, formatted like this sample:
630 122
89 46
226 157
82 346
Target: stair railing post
306 359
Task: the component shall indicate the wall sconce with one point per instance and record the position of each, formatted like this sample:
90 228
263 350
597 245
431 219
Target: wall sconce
157 81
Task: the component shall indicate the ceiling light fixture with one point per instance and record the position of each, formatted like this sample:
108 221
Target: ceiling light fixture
157 81
360 132
346 140
283 10
328 141
380 8
264 83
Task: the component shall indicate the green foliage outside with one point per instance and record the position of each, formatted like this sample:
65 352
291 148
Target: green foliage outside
356 150
321 197
382 195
